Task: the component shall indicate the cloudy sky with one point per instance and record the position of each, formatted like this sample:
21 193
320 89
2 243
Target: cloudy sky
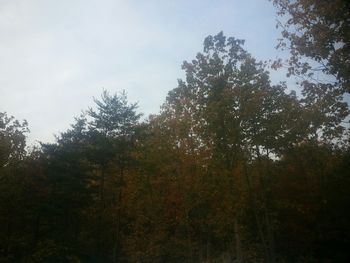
55 56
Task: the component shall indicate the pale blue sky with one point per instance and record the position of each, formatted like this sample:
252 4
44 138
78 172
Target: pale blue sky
55 56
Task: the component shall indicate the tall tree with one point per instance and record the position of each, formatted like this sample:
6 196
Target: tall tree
112 131
229 105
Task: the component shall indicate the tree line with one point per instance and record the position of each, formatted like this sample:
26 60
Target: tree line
232 169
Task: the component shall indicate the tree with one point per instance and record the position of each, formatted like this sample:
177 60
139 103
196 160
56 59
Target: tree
317 34
233 105
114 116
21 191
112 134
229 106
12 139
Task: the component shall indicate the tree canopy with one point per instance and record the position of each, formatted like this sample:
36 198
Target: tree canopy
234 168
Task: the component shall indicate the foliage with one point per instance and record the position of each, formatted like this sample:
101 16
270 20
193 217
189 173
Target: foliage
12 139
233 168
317 30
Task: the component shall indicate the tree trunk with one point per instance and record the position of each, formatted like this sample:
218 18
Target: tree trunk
117 241
101 212
239 256
254 207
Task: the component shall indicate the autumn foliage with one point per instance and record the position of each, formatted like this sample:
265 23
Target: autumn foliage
232 169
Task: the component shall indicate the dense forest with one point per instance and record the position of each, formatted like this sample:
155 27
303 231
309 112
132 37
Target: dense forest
232 169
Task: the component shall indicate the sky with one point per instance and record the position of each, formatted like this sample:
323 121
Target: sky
56 56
